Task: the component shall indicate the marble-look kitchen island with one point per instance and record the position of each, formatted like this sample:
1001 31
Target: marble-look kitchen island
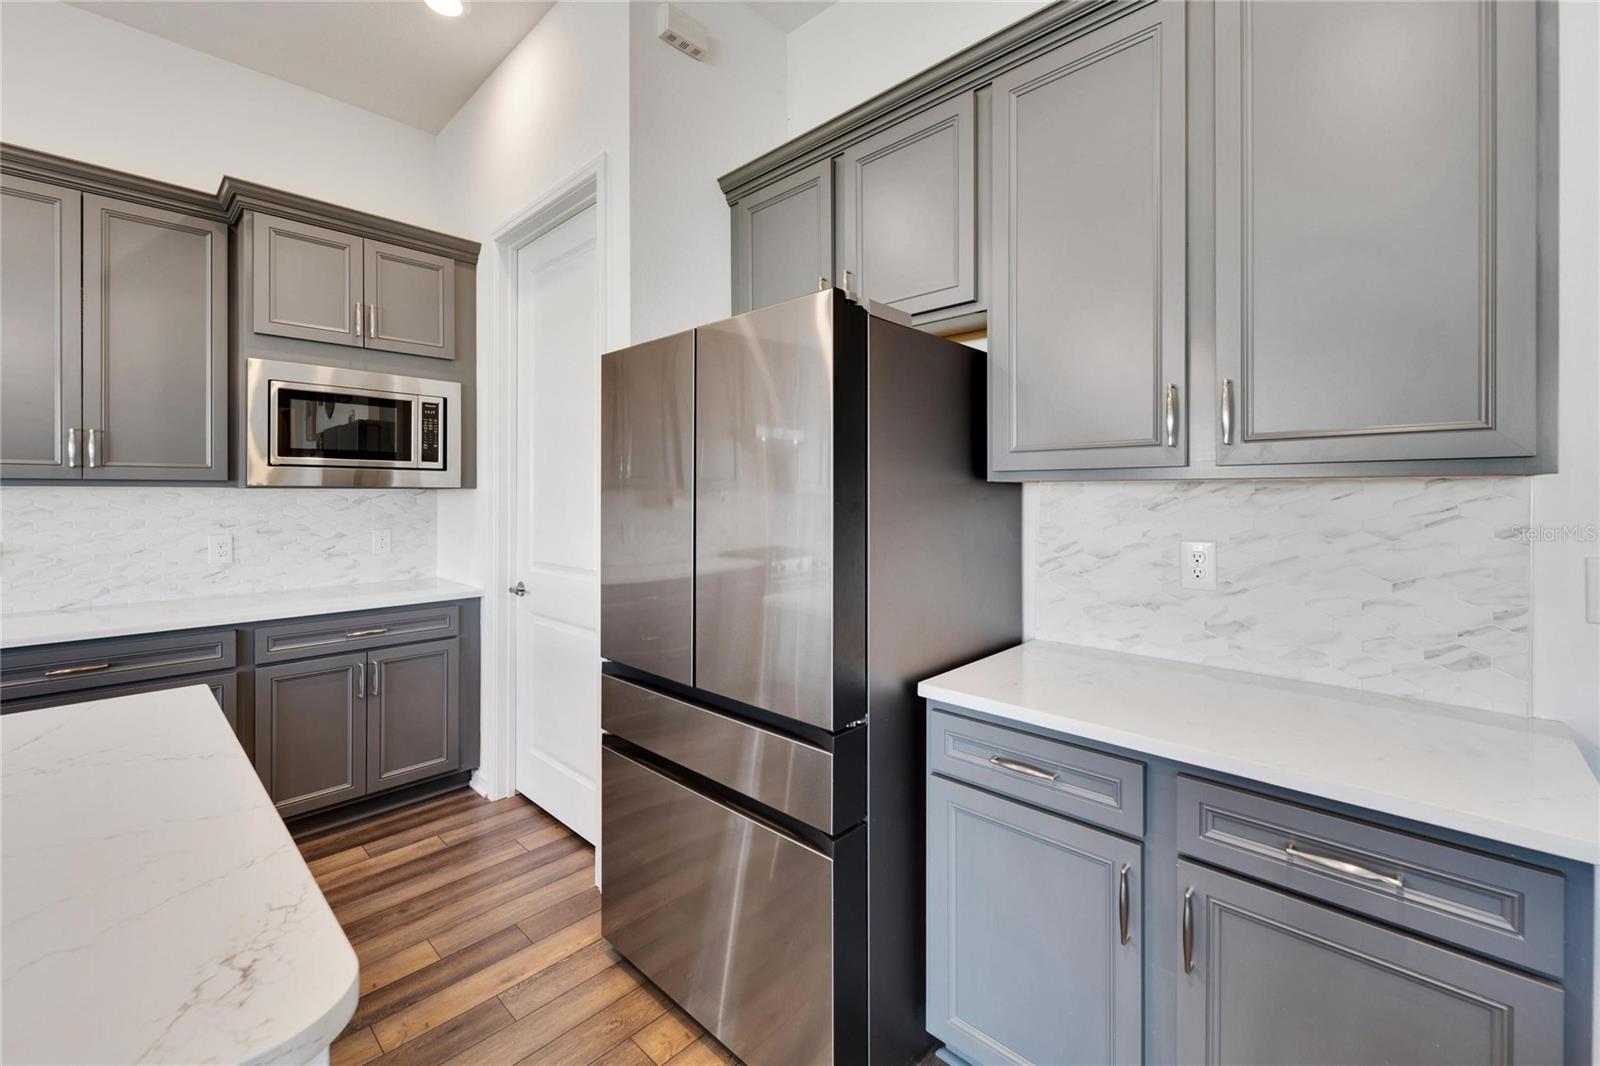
155 908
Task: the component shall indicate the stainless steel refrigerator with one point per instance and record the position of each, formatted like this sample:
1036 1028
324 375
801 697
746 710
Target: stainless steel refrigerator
796 528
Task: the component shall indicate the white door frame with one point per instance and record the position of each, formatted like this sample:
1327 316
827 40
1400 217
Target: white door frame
497 465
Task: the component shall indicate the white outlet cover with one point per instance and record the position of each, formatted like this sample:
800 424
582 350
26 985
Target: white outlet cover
1197 564
219 549
380 542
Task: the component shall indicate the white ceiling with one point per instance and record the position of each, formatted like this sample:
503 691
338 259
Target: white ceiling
395 58
788 15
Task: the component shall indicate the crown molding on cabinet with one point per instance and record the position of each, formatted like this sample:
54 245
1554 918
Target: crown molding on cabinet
232 198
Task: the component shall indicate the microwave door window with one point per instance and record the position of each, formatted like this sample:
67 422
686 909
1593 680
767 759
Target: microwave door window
355 428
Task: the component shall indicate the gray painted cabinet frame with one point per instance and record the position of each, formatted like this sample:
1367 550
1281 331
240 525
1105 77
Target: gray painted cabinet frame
907 203
307 281
783 239
41 360
1087 316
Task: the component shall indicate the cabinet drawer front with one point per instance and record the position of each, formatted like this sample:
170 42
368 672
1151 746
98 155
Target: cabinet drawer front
1088 785
30 672
1275 978
1493 906
322 636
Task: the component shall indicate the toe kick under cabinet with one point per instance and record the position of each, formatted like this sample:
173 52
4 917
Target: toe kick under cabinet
332 709
1087 905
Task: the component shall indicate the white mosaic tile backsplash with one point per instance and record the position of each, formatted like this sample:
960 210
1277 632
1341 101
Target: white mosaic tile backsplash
1410 587
80 546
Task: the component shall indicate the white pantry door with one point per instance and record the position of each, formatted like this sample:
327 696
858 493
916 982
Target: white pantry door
557 548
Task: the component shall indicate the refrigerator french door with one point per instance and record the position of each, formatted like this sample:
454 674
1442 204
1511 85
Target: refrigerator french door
795 529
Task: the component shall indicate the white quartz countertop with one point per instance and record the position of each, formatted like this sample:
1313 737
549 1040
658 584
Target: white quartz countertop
125 620
1513 780
155 908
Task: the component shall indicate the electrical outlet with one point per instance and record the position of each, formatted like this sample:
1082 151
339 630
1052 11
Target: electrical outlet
380 542
1197 564
219 549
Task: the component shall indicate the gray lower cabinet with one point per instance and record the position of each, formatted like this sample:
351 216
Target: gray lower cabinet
224 689
1087 315
1034 933
907 209
41 364
1272 978
783 239
155 350
413 707
1377 172
311 732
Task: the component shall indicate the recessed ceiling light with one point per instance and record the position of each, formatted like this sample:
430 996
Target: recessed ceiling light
448 8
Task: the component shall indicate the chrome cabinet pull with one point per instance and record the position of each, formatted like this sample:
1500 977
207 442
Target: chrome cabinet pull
372 321
361 681
519 589
72 447
1022 768
1188 929
354 633
1172 416
1123 901
93 447
849 278
1350 869
822 282
358 321
1227 410
64 671
377 677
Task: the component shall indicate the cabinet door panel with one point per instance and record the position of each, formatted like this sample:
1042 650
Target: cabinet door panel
306 281
413 700
907 200
1277 979
1087 321
40 355
155 349
783 239
411 299
311 732
1025 958
1376 216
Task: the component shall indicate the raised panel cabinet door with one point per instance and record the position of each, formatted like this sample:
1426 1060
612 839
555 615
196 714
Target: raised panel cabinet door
1377 219
413 710
155 346
783 239
907 196
40 356
1272 978
1087 318
411 301
311 732
1028 961
306 281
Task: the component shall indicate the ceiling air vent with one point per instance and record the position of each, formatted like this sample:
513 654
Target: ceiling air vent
682 32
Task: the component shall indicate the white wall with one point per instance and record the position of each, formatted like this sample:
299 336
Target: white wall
856 49
688 123
84 86
1566 649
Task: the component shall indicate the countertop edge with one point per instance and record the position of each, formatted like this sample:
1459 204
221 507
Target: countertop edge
319 1034
1575 849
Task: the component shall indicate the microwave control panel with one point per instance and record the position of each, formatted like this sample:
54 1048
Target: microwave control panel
430 431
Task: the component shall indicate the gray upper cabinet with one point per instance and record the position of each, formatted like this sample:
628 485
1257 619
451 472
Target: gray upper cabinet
907 205
1273 978
411 301
307 281
155 351
311 732
1376 199
319 284
1034 933
1087 319
40 355
783 239
412 712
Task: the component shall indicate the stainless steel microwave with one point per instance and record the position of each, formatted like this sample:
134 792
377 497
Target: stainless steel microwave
331 426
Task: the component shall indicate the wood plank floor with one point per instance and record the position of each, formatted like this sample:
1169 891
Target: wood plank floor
478 929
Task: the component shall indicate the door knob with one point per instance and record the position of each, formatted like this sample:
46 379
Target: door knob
519 589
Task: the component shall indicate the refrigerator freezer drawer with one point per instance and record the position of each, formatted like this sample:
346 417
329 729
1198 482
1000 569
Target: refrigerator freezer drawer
823 789
734 920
